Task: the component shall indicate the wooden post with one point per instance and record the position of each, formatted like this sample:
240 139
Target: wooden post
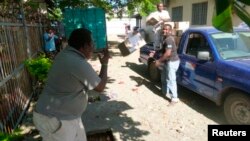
26 33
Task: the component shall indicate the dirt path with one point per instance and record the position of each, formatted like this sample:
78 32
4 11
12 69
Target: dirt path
135 110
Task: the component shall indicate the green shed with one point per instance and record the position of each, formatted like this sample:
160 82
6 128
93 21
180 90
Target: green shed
90 18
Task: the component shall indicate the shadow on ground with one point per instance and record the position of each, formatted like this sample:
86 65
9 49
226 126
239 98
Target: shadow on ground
193 100
102 113
28 129
144 79
105 114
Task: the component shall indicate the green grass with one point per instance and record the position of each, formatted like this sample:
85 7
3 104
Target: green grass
15 136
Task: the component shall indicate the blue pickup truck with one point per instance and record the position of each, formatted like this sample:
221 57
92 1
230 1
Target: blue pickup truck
214 64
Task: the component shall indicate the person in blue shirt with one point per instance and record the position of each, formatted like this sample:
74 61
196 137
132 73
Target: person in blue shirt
49 42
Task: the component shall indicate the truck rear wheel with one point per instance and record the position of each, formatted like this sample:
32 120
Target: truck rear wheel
154 72
237 108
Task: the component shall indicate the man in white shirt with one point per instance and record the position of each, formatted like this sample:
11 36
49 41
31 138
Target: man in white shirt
156 19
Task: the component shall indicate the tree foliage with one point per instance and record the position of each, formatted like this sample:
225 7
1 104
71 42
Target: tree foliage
113 8
222 19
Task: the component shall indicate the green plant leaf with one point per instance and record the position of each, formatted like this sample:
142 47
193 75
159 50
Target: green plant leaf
39 67
14 136
222 19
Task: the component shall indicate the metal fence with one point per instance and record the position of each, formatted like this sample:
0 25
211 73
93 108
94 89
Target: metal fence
18 42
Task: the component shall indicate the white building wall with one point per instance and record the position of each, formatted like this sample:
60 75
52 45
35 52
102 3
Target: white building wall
187 10
116 26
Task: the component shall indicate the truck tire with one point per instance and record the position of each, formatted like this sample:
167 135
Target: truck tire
237 108
154 72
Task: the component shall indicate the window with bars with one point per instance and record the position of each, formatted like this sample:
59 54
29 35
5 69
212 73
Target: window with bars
199 13
177 13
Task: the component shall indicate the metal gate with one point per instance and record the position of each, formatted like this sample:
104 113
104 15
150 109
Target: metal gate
18 42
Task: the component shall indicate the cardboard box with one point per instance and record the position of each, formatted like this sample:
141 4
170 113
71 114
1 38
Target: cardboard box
130 45
154 18
125 49
152 21
182 25
177 40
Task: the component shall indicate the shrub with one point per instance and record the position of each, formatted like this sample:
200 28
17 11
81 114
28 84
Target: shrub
39 67
14 136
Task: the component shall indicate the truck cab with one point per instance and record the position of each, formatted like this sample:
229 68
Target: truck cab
215 65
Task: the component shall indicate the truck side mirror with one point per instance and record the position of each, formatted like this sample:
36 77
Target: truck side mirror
203 55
